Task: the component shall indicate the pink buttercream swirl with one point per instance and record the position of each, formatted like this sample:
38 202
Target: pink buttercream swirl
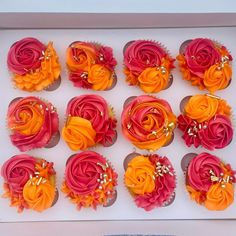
25 55
83 171
141 54
164 189
200 170
95 109
200 55
16 172
24 115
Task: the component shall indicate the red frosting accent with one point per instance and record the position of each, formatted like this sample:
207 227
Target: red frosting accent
200 54
95 109
199 171
139 52
24 55
44 134
77 77
17 170
218 134
82 172
108 60
165 186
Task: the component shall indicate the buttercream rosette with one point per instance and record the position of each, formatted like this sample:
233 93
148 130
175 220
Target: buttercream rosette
34 65
90 121
150 179
206 121
205 63
148 65
90 180
29 183
91 65
33 123
209 181
148 122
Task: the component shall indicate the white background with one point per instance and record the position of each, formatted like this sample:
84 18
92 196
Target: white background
124 208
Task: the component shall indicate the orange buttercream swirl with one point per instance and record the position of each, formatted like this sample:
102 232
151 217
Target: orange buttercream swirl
45 75
78 133
39 196
218 197
148 122
139 176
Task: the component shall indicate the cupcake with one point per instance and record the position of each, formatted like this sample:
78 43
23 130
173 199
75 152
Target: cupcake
206 121
148 65
150 180
91 65
148 122
89 180
205 63
209 181
29 182
33 123
90 121
34 65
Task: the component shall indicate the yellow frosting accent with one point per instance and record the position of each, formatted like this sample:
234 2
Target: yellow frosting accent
48 72
201 107
100 77
153 80
78 133
139 176
38 195
216 78
218 197
85 57
31 120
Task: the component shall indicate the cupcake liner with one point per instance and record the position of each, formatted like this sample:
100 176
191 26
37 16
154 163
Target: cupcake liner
39 175
215 190
148 196
103 193
55 85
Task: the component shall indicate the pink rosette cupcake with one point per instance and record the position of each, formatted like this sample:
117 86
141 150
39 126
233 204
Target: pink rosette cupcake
34 66
90 121
91 65
206 121
148 122
33 123
206 64
148 65
209 181
90 180
150 180
29 183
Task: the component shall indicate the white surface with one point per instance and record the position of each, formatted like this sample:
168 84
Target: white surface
124 208
121 6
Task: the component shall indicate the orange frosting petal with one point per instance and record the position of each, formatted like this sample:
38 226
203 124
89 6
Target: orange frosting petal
39 196
42 78
139 176
217 77
153 80
201 107
78 133
100 77
130 77
218 197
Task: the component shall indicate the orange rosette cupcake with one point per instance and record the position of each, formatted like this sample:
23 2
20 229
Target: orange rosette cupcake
148 65
90 121
29 183
33 123
206 64
34 66
206 121
91 65
150 179
148 122
209 181
90 181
